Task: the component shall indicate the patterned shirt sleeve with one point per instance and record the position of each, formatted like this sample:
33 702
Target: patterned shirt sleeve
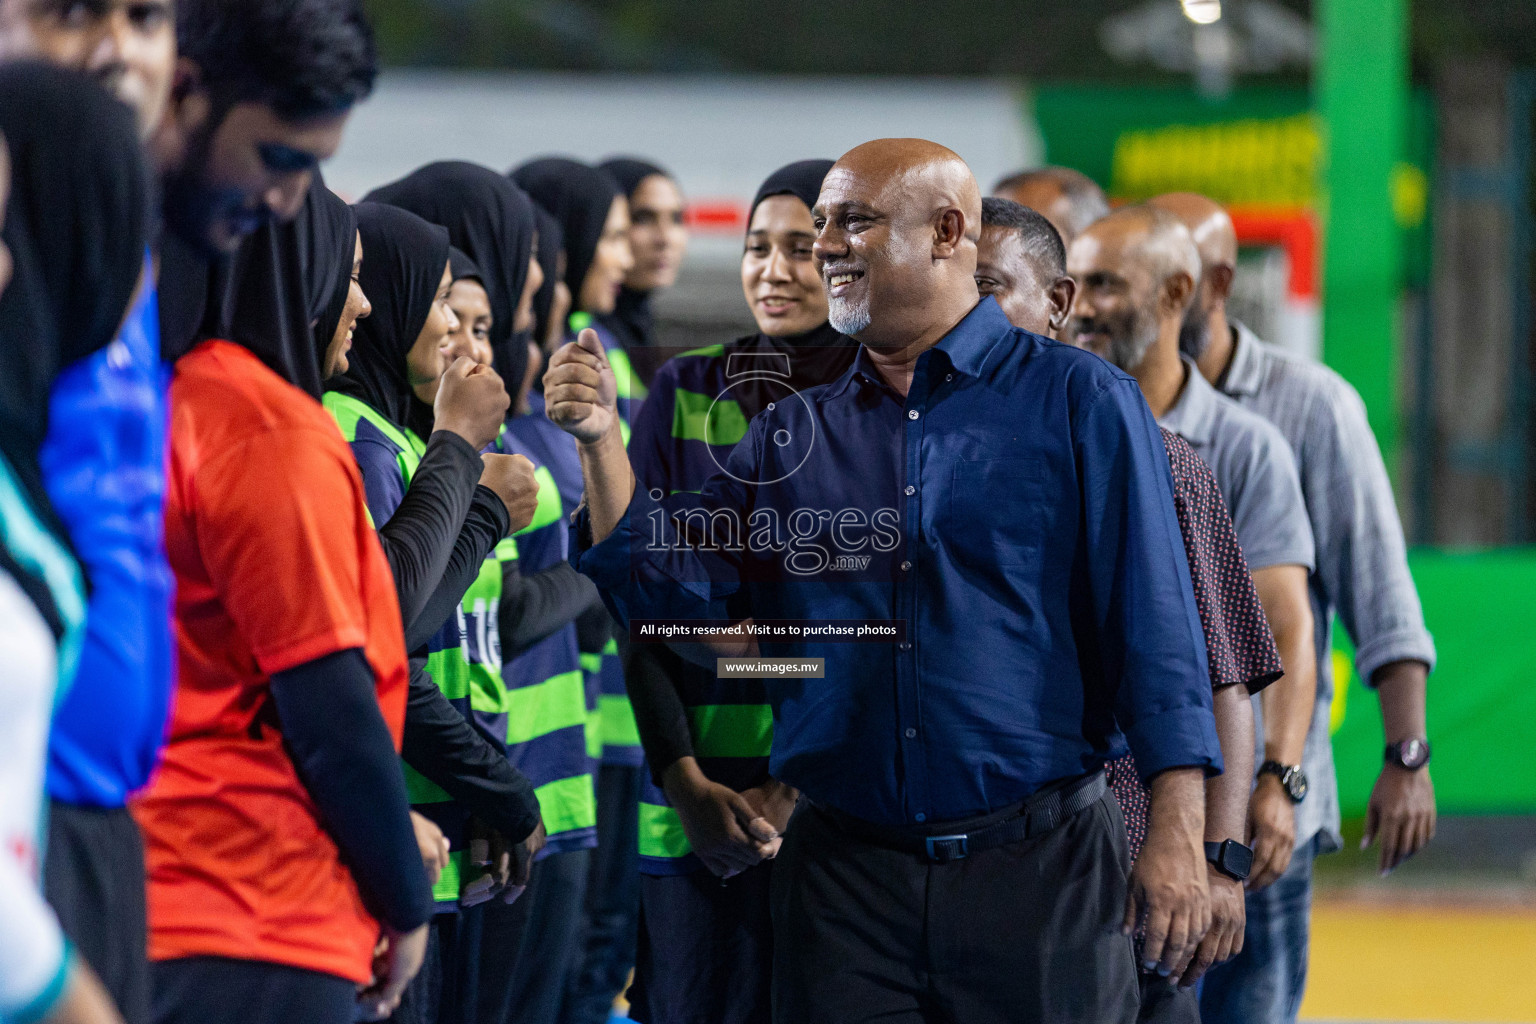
1238 642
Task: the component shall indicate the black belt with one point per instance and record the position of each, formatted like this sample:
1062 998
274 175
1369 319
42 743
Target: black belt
943 843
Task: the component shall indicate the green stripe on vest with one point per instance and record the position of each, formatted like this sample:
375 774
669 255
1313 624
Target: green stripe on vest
450 672
697 417
559 702
548 511
661 832
618 721
568 804
447 888
421 790
478 613
628 383
707 352
731 730
595 732
347 411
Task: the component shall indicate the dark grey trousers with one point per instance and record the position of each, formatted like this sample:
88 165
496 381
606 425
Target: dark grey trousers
1027 933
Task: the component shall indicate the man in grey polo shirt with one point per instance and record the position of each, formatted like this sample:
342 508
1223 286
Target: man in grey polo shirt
1362 575
1137 271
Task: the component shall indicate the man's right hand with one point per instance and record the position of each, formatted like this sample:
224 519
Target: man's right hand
399 957
472 402
580 392
726 832
511 477
1229 913
1272 826
1167 891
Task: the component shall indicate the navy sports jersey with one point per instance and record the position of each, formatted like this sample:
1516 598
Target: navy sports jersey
683 436
463 658
551 723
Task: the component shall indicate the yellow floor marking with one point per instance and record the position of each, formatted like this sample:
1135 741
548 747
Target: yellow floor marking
1421 964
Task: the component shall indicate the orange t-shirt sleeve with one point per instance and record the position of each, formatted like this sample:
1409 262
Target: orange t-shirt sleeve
277 531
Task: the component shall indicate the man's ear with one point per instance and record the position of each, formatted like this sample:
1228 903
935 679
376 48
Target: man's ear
948 232
1062 293
1178 290
1220 278
186 112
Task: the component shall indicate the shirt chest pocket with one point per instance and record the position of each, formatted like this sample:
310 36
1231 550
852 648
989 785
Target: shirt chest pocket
994 513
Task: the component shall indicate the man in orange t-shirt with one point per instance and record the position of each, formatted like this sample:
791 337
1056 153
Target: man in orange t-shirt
277 828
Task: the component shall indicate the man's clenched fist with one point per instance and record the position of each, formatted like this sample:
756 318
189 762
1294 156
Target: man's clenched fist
580 393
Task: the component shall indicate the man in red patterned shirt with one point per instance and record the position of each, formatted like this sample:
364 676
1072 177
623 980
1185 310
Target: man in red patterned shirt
1021 262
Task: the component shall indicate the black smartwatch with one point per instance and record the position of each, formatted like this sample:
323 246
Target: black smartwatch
1292 779
1231 858
1410 754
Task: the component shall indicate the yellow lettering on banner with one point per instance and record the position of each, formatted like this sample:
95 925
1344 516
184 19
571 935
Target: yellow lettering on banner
1253 162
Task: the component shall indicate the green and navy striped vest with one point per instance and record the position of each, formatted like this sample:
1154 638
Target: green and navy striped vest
552 711
620 737
682 438
463 658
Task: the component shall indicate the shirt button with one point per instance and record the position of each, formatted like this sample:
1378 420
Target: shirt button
905 645
921 816
911 734
949 376
905 566
911 414
911 490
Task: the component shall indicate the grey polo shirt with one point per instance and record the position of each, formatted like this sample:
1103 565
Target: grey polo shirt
1256 472
1362 565
1254 469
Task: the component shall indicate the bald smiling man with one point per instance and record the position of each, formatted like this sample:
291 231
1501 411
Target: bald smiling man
1004 502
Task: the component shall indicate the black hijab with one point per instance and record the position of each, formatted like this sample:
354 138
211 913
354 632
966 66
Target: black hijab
463 268
330 227
818 356
551 245
579 198
632 320
283 279
76 226
403 260
492 221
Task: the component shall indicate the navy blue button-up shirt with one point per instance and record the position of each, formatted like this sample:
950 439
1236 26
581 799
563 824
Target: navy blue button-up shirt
1015 509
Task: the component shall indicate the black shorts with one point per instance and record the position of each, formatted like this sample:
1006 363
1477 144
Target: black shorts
220 990
94 879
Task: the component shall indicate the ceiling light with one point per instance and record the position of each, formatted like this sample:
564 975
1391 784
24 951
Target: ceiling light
1202 12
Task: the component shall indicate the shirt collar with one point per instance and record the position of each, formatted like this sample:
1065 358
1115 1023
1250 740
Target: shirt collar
1244 371
968 347
1193 415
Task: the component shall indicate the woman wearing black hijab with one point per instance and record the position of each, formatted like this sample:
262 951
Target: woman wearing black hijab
74 235
287 607
686 970
658 238
594 221
492 222
438 527
552 301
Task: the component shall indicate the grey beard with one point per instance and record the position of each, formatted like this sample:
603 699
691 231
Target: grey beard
1195 337
1128 352
848 318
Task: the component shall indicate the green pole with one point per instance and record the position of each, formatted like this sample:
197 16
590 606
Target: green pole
1362 86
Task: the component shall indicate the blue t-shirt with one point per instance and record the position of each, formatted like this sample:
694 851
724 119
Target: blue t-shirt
103 466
